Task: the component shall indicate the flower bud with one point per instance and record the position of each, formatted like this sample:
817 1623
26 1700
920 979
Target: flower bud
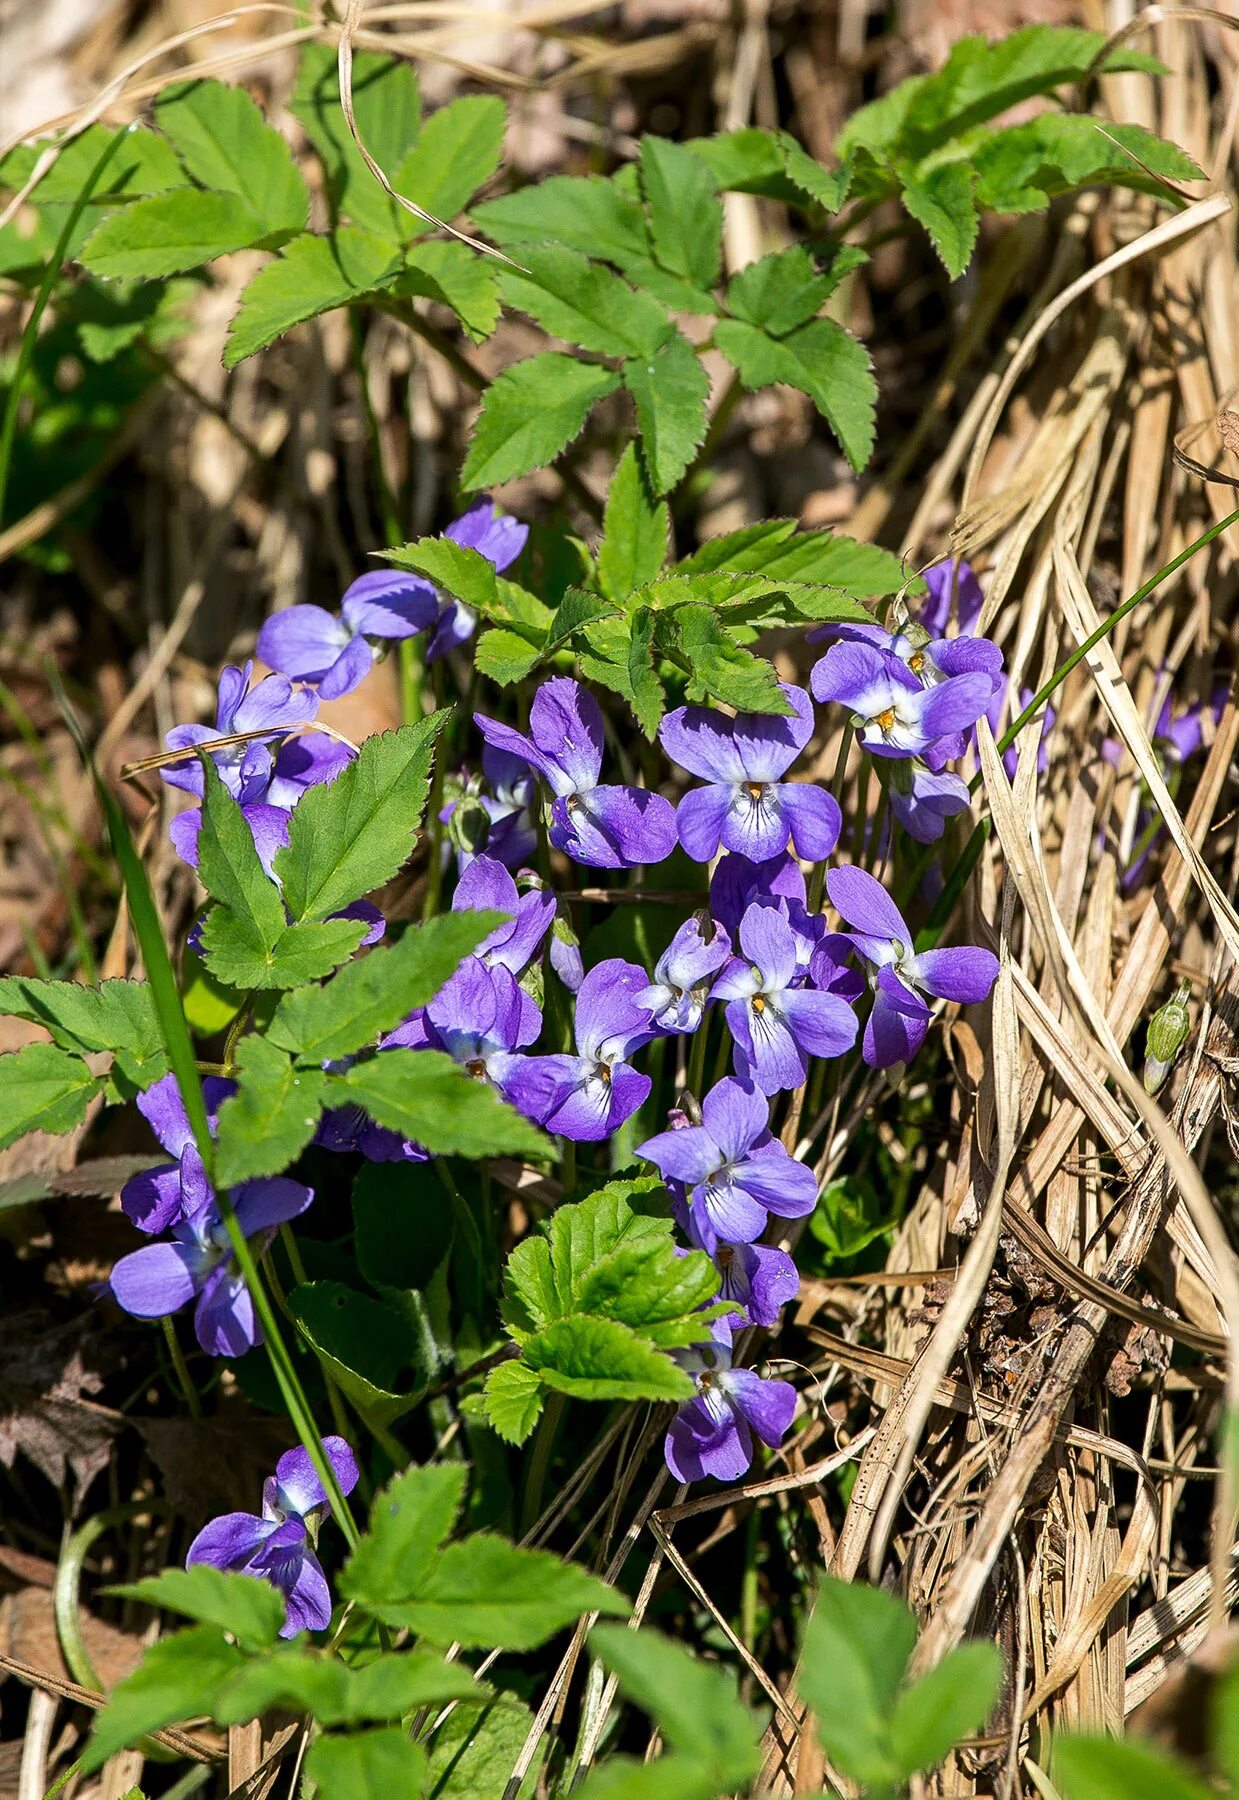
1165 1037
469 825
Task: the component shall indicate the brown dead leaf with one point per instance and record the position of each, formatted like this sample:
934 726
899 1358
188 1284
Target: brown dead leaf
46 1372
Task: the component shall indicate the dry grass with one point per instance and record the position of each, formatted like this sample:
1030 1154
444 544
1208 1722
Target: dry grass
1032 1390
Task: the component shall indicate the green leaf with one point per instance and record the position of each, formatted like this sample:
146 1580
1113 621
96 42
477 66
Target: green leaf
303 952
636 531
610 1218
648 1285
670 1778
823 362
225 143
686 219
1101 1768
366 1765
576 610
669 390
456 569
228 864
387 107
532 412
829 188
475 1749
251 1610
584 303
778 551
856 1650
143 163
366 1344
373 995
779 292
177 1678
486 1593
271 1118
505 657
311 275
513 1399
943 202
1224 1705
349 836
587 213
428 1098
117 1015
459 148
694 1704
43 1089
297 1681
946 1705
748 161
409 1520
450 272
600 1359
403 1226
1021 167
647 697
170 233
723 670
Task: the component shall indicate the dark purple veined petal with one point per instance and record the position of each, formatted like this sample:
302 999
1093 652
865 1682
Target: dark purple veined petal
965 974
930 800
543 1083
968 656
493 534
156 1280
164 1111
724 1212
304 762
467 1001
759 1278
703 1440
609 1018
771 1056
822 1024
519 748
775 1180
689 1155
302 641
273 705
233 685
736 882
229 1540
297 1482
270 1200
896 1027
702 742
861 677
599 1104
565 722
735 1114
225 1322
389 603
954 705
861 900
755 824
613 827
767 1406
767 940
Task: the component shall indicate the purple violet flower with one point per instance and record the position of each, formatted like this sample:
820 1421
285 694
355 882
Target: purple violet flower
159 1197
279 1546
757 1278
952 579
899 1020
737 882
893 713
160 1278
272 706
481 1017
746 806
731 1172
486 886
497 537
588 1096
676 998
777 1026
606 827
712 1434
923 798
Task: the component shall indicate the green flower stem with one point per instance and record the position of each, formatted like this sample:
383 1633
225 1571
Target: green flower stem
539 1461
188 1391
697 1062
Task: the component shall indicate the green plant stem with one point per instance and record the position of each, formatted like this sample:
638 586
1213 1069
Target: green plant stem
388 512
8 426
697 1062
539 1461
188 1391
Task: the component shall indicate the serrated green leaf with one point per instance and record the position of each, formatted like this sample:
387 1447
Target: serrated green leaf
576 610
587 213
371 996
778 551
366 1765
648 1283
143 163
584 303
428 1098
600 1359
303 952
942 200
271 1118
250 1609
459 148
670 1778
669 390
617 1213
402 1225
676 294
1104 1768
723 670
228 864
513 1398
172 232
225 143
532 412
348 836
648 699
948 1703
476 1748
694 1704
485 1592
829 188
636 531
856 1649
311 275
823 362
1021 167
456 569
686 217
387 107
367 1345
117 1015
295 1680
506 657
451 273
43 1088
748 161
779 292
178 1678
409 1520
